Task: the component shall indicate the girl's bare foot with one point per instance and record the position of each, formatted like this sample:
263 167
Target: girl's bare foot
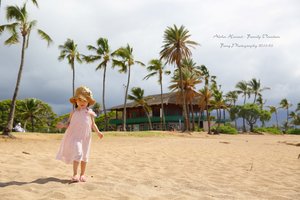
82 178
75 179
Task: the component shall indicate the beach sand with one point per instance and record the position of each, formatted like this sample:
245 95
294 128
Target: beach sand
200 166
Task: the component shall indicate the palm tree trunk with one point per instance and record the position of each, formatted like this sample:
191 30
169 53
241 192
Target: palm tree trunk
8 129
193 117
185 116
162 120
244 122
208 119
73 81
103 98
125 100
32 124
149 120
276 119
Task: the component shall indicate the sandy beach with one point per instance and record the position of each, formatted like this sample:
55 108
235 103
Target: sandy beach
200 166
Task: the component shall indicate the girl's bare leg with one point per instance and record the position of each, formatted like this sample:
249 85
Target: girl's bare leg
75 167
83 167
82 172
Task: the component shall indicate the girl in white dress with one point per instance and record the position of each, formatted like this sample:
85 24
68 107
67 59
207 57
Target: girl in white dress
75 145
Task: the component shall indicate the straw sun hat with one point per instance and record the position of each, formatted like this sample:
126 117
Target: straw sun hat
83 93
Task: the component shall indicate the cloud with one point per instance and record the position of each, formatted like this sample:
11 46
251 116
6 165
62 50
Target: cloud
141 24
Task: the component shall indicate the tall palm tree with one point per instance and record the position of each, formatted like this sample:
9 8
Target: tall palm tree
189 81
138 97
126 61
232 97
156 68
102 53
70 52
273 109
255 88
218 103
176 47
284 103
21 26
242 88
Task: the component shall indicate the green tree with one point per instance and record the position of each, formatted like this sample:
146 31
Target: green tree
21 26
125 54
251 113
102 53
70 52
138 97
265 115
176 47
37 113
156 68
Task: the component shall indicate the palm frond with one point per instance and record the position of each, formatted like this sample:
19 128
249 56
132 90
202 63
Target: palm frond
13 39
45 36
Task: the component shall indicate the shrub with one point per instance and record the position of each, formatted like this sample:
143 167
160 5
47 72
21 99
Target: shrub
272 130
295 131
224 129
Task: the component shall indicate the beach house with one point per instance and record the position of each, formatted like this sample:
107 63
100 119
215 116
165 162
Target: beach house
137 119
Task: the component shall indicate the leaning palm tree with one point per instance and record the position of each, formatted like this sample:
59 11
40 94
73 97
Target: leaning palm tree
242 88
138 97
176 47
70 52
156 68
21 26
102 53
126 61
273 109
255 88
284 103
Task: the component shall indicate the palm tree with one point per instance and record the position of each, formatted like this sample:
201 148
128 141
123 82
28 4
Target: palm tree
101 52
30 111
156 68
242 88
205 99
232 97
33 1
218 103
70 52
21 23
273 109
127 60
286 105
190 80
175 48
255 88
138 97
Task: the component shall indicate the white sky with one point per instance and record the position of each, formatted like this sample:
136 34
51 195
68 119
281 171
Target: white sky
141 24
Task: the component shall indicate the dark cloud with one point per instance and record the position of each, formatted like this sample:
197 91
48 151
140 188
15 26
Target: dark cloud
141 24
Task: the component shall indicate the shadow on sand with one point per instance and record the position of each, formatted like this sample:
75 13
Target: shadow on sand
37 181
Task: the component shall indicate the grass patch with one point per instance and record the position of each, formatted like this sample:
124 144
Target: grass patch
224 129
271 130
295 131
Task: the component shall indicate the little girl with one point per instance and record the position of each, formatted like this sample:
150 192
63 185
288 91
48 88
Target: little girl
75 145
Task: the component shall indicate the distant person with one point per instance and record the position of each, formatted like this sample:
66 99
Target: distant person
75 145
18 128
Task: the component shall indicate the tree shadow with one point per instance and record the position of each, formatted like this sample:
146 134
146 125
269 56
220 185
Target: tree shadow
37 181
